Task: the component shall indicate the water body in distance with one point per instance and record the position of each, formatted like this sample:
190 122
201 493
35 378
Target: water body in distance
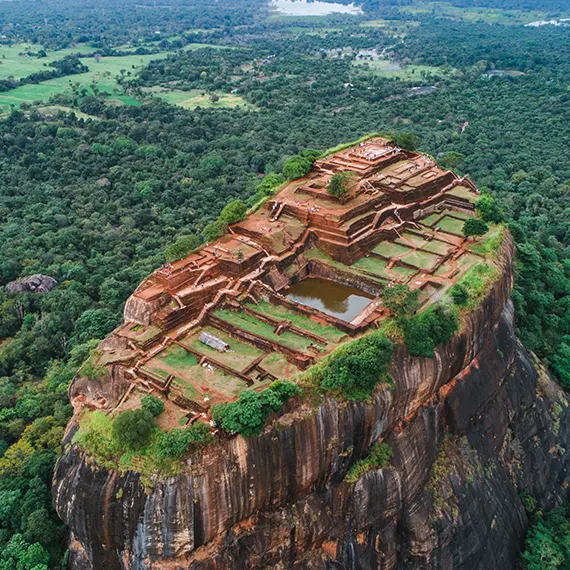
329 297
304 8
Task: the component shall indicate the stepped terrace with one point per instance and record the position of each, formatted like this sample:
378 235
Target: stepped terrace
294 280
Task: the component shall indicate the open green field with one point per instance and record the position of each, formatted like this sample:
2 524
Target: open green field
387 68
409 238
102 75
275 363
197 98
195 379
431 219
13 62
475 14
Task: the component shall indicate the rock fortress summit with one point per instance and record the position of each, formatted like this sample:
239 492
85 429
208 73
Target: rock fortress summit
275 298
400 222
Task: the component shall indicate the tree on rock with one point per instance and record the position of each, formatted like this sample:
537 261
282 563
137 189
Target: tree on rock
132 429
400 300
152 404
340 183
474 227
181 248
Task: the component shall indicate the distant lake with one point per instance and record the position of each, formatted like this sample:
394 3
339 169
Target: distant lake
305 8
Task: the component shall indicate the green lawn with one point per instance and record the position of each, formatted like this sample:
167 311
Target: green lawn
301 321
438 247
265 330
390 249
372 265
102 74
238 357
13 62
275 363
431 219
451 225
413 239
421 260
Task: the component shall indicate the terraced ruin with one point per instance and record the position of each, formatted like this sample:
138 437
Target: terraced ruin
294 280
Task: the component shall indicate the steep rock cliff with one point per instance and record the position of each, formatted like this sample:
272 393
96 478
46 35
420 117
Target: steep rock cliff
470 429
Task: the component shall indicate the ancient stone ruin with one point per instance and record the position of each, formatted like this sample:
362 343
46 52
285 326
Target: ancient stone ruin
399 222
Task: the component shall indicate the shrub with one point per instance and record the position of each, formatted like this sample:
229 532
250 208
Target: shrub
233 212
132 429
249 413
339 184
298 165
181 248
474 227
409 141
459 294
488 209
378 458
434 326
178 442
214 230
400 300
354 369
152 404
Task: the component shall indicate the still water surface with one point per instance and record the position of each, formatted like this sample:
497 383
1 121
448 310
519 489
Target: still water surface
304 8
329 297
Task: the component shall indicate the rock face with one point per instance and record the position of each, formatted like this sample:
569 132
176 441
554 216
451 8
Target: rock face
470 430
32 284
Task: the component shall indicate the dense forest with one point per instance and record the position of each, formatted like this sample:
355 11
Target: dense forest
94 201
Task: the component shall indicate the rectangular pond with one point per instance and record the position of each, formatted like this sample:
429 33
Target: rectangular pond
332 298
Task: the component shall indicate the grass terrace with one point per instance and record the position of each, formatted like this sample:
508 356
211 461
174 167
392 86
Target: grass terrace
265 330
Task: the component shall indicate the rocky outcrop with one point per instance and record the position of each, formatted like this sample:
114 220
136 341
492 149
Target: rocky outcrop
470 430
32 284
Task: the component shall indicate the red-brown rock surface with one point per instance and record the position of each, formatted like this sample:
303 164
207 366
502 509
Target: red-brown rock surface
280 500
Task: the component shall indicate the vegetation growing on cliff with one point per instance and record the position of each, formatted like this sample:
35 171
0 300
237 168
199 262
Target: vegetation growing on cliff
249 413
354 369
378 458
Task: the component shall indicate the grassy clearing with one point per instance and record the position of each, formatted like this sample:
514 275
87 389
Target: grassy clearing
431 219
13 62
301 321
102 75
275 363
94 435
387 68
410 238
475 14
198 98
